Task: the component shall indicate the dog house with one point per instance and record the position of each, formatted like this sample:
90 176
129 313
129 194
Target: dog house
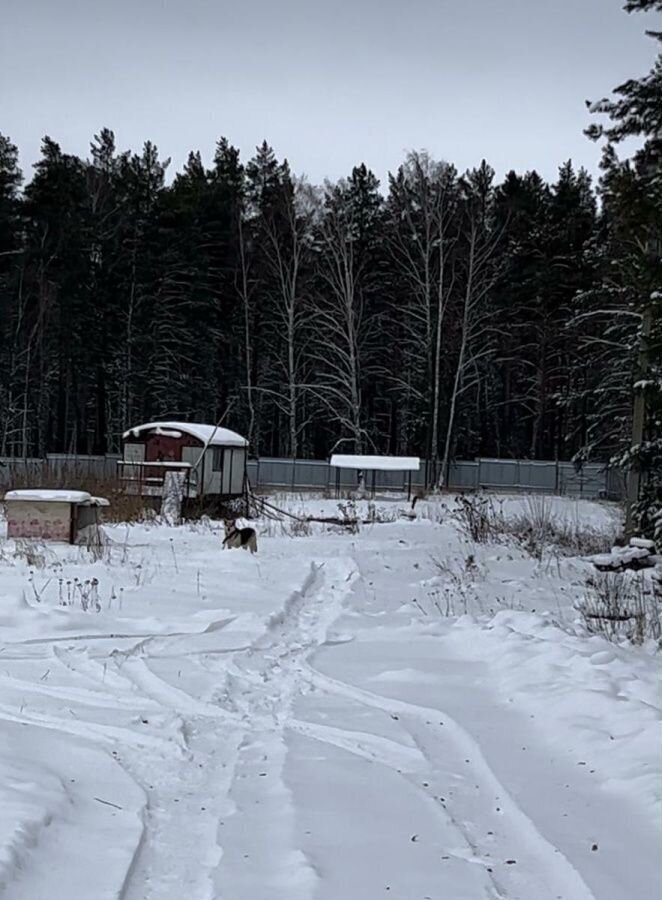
210 459
51 515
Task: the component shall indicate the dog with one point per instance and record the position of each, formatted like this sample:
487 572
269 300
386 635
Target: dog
246 538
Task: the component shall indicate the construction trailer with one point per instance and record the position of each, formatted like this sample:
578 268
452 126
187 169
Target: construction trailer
210 460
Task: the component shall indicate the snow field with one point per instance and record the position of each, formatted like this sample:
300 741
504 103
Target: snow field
391 713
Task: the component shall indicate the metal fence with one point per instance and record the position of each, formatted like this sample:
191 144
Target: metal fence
55 469
592 480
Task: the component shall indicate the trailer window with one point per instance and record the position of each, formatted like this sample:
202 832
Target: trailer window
217 459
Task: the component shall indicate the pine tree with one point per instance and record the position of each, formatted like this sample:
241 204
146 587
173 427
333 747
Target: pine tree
59 310
139 365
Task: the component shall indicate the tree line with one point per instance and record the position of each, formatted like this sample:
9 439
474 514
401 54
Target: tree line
444 313
437 318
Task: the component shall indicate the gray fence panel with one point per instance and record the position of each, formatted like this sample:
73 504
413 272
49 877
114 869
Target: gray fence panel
61 465
252 468
312 473
542 476
616 486
589 481
463 476
20 471
498 473
303 473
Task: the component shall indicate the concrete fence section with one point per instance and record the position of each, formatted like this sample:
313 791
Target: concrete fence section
593 480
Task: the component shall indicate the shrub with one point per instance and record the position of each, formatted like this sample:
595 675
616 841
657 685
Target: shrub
622 606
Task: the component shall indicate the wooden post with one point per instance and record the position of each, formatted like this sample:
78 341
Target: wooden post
73 522
229 472
638 420
201 479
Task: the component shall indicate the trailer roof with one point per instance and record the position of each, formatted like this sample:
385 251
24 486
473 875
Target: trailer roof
208 434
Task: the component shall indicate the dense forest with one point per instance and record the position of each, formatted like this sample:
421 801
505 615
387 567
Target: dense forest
445 313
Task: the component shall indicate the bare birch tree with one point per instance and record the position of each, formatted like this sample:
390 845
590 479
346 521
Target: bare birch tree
424 196
344 321
478 273
288 228
245 292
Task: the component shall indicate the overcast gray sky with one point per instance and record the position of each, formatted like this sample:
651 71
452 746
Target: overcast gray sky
328 84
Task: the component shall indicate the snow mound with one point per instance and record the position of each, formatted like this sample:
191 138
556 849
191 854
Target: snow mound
29 799
640 554
596 701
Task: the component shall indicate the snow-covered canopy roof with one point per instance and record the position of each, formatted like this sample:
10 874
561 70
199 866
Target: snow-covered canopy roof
376 463
60 496
208 434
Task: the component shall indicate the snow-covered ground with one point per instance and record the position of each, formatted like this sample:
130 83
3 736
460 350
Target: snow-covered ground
392 713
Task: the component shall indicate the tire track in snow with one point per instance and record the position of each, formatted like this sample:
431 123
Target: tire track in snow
165 695
93 731
58 857
369 746
540 869
76 695
260 856
196 799
199 811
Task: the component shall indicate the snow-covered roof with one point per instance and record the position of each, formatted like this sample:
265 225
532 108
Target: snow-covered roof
50 496
376 463
98 501
208 434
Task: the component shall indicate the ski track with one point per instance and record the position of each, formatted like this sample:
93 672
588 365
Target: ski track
197 755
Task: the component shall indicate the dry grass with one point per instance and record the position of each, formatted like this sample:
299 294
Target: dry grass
623 606
537 528
123 507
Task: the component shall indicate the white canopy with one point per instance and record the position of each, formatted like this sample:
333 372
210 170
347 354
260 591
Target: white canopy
208 434
376 463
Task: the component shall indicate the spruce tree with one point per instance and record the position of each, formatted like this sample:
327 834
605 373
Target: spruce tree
632 197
